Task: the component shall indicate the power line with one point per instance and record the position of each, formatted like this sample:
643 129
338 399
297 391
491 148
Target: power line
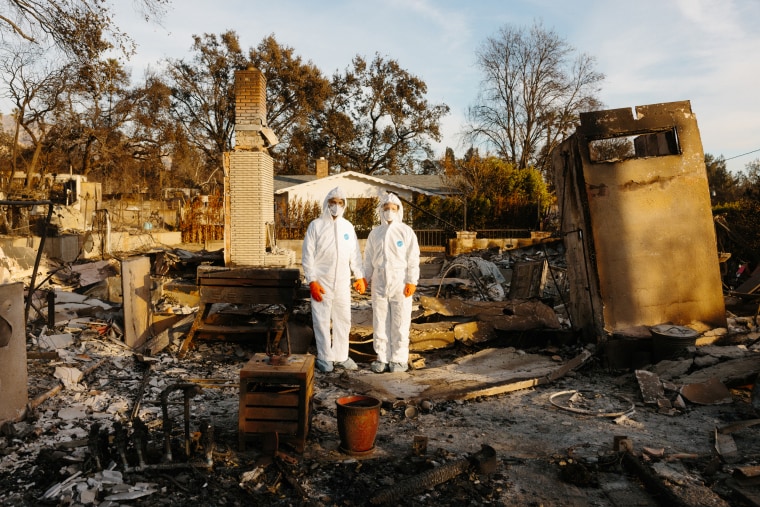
737 156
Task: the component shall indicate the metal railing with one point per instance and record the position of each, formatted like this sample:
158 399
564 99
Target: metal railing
434 237
426 237
503 233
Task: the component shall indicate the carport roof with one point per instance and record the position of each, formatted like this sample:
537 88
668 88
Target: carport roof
430 184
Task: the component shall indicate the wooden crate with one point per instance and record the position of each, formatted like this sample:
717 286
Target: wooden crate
276 399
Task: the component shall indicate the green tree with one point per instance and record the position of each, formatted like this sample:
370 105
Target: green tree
533 88
723 186
378 120
492 194
435 212
500 194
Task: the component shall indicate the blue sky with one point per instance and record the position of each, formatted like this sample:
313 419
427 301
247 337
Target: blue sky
651 51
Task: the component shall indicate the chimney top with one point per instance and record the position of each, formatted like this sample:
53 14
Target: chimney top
322 167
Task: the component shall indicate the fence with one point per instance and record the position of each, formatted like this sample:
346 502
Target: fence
428 239
434 238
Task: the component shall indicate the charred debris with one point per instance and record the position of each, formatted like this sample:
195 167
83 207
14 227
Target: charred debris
107 423
614 363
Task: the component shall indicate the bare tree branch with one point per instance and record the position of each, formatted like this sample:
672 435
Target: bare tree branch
80 28
531 93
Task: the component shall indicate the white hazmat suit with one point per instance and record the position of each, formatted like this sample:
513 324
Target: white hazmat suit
391 262
330 254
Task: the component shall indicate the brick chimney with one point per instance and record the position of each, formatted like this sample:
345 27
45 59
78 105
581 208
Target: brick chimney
251 130
249 235
322 167
250 98
251 175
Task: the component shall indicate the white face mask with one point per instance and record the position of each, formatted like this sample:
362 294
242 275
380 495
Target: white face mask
335 210
389 215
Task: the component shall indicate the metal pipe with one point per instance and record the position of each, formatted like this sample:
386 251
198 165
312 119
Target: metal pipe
51 309
140 436
32 288
141 392
120 440
189 390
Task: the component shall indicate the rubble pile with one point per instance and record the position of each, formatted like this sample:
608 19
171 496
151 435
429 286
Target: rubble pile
109 425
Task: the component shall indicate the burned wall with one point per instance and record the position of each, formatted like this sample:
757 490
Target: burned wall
14 394
637 221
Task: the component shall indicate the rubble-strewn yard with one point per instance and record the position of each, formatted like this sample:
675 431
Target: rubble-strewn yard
566 429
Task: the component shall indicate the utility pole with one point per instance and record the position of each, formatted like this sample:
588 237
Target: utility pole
465 213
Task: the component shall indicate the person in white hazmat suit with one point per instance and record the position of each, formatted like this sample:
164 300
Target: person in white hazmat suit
330 254
392 266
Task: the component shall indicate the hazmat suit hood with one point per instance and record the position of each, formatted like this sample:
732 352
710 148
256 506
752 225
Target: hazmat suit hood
393 199
335 193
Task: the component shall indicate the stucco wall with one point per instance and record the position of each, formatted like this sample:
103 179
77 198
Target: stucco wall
13 371
648 239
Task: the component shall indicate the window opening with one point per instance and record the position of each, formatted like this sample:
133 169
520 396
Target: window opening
650 144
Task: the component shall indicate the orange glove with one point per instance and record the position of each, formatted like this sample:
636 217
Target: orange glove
316 291
409 289
360 285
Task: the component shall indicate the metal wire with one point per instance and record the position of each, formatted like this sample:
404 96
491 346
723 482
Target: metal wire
472 275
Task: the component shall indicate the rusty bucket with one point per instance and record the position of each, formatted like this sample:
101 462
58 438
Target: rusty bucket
358 420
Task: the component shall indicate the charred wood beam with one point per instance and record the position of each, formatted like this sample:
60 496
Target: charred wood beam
660 492
484 460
